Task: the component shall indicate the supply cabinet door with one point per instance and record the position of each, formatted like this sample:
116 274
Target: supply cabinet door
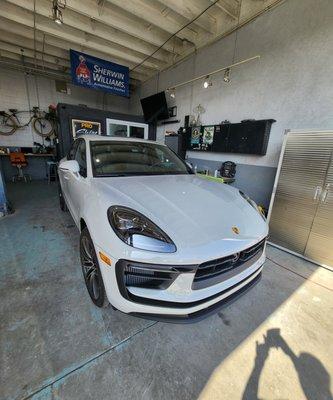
299 190
320 243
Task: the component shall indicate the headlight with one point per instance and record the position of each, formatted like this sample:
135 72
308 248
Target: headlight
253 204
138 231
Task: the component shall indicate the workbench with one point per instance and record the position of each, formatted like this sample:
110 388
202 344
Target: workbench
36 167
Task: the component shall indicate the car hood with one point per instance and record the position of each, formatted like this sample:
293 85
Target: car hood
193 211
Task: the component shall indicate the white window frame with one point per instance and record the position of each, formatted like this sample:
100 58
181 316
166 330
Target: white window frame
128 124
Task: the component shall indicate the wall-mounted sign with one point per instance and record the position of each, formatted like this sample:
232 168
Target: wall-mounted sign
195 137
81 127
95 73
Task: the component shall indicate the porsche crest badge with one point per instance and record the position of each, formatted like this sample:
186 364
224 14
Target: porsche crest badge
235 230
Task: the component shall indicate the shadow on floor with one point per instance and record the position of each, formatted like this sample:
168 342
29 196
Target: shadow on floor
306 365
56 344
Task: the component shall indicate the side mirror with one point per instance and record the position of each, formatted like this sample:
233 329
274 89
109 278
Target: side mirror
189 165
70 165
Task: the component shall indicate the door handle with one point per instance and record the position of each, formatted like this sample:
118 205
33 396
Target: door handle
325 193
317 192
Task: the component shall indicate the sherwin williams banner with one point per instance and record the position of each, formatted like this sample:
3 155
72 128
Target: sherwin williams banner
94 73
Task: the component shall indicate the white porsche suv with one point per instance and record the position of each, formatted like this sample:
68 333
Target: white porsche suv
157 240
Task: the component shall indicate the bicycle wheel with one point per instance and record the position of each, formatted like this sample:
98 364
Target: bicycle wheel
8 125
43 127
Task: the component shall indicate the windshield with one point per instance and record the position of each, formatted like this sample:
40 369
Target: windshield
122 158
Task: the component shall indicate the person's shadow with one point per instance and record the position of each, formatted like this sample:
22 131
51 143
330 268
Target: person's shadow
313 377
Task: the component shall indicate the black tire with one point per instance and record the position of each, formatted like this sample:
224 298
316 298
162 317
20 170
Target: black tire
62 203
91 271
8 125
43 127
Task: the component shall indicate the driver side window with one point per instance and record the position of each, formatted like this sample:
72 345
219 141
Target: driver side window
81 158
70 155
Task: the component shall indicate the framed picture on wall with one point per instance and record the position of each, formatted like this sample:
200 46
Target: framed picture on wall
83 127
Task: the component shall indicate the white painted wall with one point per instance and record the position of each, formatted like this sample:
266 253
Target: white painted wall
292 82
22 92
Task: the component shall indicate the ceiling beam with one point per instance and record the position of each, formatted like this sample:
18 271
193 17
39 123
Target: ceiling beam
11 63
31 60
28 43
40 56
117 18
140 73
123 42
157 14
74 35
191 9
232 12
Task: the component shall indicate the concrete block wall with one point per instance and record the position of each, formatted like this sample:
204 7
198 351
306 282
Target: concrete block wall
21 91
292 83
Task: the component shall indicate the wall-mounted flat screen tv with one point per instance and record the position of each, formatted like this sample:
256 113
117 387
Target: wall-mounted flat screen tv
155 107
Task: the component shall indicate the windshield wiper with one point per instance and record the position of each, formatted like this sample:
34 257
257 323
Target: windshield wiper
109 175
146 173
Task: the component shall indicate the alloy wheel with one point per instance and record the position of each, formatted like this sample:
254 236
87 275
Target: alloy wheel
90 270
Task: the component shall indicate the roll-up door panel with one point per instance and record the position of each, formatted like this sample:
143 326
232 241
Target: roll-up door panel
302 176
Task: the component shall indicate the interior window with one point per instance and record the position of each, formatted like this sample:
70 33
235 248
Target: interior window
137 132
117 130
81 158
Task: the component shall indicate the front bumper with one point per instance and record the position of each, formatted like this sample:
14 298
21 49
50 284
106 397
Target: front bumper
180 300
205 312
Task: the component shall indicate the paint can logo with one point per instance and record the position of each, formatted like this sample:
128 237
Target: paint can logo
82 72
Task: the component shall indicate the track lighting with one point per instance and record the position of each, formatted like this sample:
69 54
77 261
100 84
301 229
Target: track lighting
56 11
226 76
207 83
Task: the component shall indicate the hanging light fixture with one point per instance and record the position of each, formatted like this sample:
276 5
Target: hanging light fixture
172 92
226 77
57 6
207 82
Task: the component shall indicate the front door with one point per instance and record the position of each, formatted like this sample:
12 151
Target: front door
77 184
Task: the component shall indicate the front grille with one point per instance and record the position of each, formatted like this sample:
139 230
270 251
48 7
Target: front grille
214 268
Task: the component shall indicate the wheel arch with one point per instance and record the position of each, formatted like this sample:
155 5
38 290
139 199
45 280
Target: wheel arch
83 224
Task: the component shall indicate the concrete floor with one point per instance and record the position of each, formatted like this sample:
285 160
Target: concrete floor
276 342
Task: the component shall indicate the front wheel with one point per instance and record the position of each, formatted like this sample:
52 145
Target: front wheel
91 271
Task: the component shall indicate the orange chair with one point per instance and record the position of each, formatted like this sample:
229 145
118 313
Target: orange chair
19 161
